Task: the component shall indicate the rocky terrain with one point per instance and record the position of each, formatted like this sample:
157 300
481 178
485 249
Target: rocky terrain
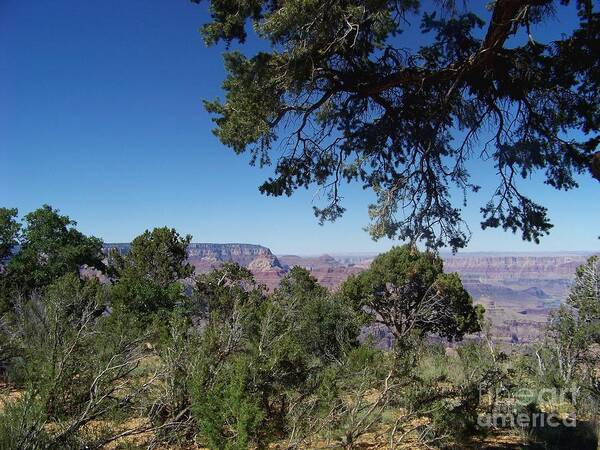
260 260
206 257
328 270
518 290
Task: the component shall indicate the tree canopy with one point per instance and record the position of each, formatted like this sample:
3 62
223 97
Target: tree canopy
50 247
9 232
573 332
408 292
159 255
149 274
340 95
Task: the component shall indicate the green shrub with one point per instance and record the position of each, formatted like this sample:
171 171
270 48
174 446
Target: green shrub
22 425
73 366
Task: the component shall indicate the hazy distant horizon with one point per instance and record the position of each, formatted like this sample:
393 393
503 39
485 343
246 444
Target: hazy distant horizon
366 254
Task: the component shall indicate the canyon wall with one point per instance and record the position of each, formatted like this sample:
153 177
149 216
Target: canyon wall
518 290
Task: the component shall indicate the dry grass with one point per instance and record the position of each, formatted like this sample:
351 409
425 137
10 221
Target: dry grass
377 439
8 394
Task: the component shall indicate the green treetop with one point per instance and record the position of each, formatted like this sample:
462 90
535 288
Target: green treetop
51 247
9 232
407 291
149 274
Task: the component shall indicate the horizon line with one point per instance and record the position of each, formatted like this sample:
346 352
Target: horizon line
374 253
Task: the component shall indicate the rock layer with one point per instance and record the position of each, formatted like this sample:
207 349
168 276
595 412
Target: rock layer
518 291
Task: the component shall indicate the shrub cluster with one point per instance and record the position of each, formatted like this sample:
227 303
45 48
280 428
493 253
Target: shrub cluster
135 350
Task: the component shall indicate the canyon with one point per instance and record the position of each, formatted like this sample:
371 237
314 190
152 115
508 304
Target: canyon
518 290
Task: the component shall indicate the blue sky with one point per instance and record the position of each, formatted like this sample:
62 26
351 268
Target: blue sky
101 116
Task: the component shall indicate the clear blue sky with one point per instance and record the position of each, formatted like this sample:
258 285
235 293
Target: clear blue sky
101 116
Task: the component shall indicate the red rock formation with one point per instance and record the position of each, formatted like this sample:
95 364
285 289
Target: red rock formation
518 291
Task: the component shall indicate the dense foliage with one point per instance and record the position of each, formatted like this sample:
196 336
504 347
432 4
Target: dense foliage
152 357
148 276
407 291
571 355
75 368
348 91
9 232
49 247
